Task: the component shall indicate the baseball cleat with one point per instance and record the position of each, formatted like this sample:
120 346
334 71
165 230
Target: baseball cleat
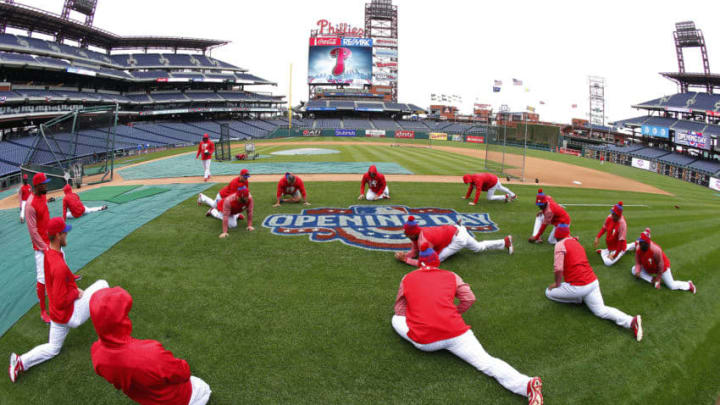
513 197
598 251
15 368
693 289
536 241
45 317
103 208
636 326
240 217
509 244
199 200
77 277
209 213
657 285
534 391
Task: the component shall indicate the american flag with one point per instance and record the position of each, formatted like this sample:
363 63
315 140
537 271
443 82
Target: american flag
498 82
496 89
542 102
574 106
517 82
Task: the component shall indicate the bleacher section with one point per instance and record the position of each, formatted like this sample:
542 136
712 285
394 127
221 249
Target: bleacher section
701 102
356 123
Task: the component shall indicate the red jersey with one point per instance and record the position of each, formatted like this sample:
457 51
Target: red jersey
60 286
72 202
616 233
481 182
37 217
438 237
285 188
377 184
142 369
232 187
205 150
24 192
571 259
431 312
653 260
555 214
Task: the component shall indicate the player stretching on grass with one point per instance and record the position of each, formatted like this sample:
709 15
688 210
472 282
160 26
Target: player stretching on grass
446 240
377 186
616 241
575 283
486 182
73 205
242 180
652 265
69 305
229 210
206 148
24 193
142 369
426 316
292 186
551 213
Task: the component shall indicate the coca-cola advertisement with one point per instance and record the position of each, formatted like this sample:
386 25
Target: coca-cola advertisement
405 134
340 61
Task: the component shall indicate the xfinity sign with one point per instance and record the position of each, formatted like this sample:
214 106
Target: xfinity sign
366 42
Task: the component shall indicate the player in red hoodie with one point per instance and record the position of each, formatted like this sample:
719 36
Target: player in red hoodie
551 213
229 189
69 306
486 182
427 316
377 186
142 369
229 210
575 283
23 194
652 265
293 187
73 205
615 228
205 151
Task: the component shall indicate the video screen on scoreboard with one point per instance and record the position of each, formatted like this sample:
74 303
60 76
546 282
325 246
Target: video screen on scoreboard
340 61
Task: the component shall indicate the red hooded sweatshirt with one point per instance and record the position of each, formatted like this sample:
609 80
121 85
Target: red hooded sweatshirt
377 184
72 202
142 369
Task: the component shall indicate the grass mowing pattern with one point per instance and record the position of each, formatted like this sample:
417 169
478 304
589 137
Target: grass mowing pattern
270 319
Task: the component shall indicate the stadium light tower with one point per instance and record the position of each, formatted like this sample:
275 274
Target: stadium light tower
3 23
85 7
381 24
596 87
687 36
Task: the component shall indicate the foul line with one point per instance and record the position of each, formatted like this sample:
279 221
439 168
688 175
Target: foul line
601 205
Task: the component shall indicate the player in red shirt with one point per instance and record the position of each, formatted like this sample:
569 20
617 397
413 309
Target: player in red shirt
228 190
24 193
73 205
551 213
426 316
205 151
69 305
446 240
575 283
486 182
292 186
37 217
652 265
616 229
142 369
229 210
377 186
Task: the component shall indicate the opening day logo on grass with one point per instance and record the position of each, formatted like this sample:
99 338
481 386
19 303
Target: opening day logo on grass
371 227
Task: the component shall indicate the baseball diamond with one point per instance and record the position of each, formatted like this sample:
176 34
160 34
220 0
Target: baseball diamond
177 229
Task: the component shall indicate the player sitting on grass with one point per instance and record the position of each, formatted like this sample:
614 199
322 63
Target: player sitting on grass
229 210
652 265
426 316
575 282
292 186
242 180
377 186
551 213
73 205
446 240
69 306
486 182
142 369
616 242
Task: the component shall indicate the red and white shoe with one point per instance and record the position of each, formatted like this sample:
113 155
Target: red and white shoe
199 200
693 289
45 317
509 244
534 391
209 213
636 326
598 251
15 368
240 217
510 198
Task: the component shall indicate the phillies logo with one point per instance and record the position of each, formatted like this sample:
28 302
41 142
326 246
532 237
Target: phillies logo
371 227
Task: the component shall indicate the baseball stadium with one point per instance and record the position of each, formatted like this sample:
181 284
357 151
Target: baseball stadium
176 230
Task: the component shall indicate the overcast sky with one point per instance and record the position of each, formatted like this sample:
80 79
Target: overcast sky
453 46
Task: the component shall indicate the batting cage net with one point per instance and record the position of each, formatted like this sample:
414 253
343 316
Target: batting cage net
74 146
222 148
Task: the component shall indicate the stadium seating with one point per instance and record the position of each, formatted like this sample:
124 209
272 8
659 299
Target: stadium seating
341 105
327 123
356 123
413 125
390 125
706 166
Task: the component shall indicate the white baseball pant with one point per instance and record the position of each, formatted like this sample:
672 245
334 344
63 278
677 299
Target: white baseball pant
206 166
200 391
232 221
58 332
371 196
667 279
88 210
536 228
463 240
22 210
40 266
605 254
467 347
590 294
207 201
491 192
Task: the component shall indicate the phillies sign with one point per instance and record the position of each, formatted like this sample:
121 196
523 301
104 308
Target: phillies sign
325 27
371 227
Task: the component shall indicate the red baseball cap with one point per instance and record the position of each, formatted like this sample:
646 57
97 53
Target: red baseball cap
411 227
25 177
206 136
57 225
67 188
245 173
40 178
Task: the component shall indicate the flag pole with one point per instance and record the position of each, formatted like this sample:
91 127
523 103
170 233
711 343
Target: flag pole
290 101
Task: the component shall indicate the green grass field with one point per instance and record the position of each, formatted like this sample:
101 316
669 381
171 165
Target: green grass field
271 319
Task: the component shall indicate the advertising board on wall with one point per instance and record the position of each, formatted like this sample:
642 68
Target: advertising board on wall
658 132
375 133
457 138
692 139
438 136
475 139
405 134
345 132
311 132
714 183
340 60
644 164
